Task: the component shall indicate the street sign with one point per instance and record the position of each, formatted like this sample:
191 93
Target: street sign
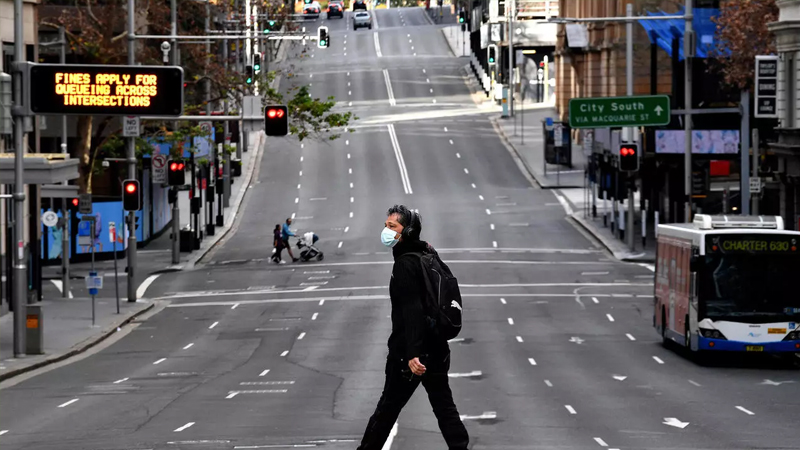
635 111
85 203
106 90
49 219
755 185
130 126
766 87
203 144
496 31
159 164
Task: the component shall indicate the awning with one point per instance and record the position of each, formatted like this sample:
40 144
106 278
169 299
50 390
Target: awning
39 170
662 32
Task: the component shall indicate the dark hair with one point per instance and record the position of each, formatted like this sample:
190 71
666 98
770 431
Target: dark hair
407 218
288 219
277 226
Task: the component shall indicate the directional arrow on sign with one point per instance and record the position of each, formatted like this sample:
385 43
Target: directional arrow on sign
674 422
576 340
775 383
658 110
620 377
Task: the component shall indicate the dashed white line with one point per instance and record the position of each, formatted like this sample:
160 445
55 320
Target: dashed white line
548 383
2 432
451 143
231 395
491 226
458 155
601 442
64 405
213 325
434 100
532 361
351 185
502 300
301 159
431 90
346 229
314 316
423 71
285 352
159 361
301 173
630 336
494 244
480 197
298 186
347 142
121 380
235 305
658 360
610 317
340 244
594 299
488 212
264 373
348 155
745 410
570 409
352 199
510 321
187 347
694 383
297 200
350 171
351 214
519 339
177 430
302 335
473 186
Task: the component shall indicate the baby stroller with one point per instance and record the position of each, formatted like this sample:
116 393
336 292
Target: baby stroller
307 249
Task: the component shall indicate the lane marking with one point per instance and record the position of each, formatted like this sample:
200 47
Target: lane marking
694 383
188 346
519 224
121 380
510 321
480 197
177 430
451 143
264 373
458 155
630 336
488 212
487 415
213 325
445 128
473 186
658 360
301 173
322 302
494 244
348 155
570 409
2 432
351 185
142 289
377 45
346 229
610 317
64 405
388 444
532 361
400 161
314 317
474 373
351 214
392 101
235 306
745 410
594 273
159 361
491 226
285 352
317 199
297 200
350 171
302 335
301 158
601 442
232 394
548 383
594 299
502 300
519 339
352 199
340 244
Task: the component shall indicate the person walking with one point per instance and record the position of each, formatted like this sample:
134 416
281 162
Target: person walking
277 241
285 233
416 354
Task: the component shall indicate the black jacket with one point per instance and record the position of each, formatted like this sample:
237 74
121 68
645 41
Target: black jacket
411 337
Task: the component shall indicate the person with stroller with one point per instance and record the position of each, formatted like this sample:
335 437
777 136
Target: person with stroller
277 242
286 232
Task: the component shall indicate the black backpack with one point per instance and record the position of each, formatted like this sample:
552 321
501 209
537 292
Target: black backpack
443 300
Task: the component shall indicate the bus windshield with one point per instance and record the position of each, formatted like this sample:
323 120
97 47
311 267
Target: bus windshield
752 288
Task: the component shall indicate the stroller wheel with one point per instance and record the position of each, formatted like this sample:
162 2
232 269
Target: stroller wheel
320 256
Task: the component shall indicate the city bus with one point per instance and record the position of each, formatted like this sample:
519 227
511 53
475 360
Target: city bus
728 283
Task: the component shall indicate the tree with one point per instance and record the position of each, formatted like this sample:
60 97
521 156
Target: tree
742 34
97 34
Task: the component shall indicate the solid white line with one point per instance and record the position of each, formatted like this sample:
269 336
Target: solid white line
340 244
377 45
658 360
188 346
610 317
388 444
121 380
231 395
159 361
519 339
392 101
302 335
630 336
594 273
314 317
532 361
510 321
285 352
322 302
746 411
213 325
184 427
400 161
263 373
548 383
570 409
601 442
594 299
140 291
694 383
64 405
502 300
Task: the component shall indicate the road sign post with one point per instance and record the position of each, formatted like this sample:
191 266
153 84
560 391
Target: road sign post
636 111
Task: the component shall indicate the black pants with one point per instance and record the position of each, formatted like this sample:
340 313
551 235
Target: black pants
399 386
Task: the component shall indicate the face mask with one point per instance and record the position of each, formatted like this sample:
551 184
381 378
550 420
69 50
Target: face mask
388 237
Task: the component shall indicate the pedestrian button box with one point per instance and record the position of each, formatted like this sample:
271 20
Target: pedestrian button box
34 332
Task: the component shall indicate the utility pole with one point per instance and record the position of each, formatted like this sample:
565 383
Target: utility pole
756 163
744 159
131 157
64 210
511 12
19 287
688 53
631 131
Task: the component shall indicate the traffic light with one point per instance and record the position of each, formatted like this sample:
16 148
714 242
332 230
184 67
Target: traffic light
257 62
248 73
492 53
322 37
269 26
75 202
628 157
276 121
131 201
462 17
307 2
175 175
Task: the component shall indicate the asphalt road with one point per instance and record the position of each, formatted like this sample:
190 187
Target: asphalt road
558 350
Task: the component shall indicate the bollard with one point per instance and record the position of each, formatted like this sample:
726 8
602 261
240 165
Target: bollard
34 334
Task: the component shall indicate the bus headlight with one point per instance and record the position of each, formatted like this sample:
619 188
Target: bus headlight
793 336
712 334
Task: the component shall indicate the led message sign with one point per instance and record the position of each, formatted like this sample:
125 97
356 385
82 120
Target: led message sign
106 90
753 244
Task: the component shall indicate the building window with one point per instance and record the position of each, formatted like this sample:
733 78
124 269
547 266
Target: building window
790 65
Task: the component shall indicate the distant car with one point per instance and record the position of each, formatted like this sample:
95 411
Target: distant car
311 11
362 19
335 10
359 4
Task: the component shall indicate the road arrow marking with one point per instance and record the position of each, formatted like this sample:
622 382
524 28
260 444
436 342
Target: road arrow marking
674 422
658 110
620 377
775 383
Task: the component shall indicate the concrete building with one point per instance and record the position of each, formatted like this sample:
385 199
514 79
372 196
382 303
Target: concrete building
787 147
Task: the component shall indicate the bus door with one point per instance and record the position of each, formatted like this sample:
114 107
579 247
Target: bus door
693 301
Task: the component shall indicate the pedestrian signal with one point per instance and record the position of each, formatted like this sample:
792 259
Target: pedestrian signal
462 17
492 54
322 37
257 62
628 157
276 121
248 73
131 200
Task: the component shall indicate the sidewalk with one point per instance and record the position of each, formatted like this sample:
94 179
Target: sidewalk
457 40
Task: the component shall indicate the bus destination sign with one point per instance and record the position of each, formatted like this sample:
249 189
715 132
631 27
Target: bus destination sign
106 90
753 244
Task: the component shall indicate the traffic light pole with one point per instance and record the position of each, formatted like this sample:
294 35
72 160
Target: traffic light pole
65 229
631 131
226 157
20 278
131 157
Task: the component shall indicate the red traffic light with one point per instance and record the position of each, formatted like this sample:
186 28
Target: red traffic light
130 188
273 113
173 167
75 202
627 151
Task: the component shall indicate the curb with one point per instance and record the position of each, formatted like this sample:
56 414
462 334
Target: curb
624 257
78 348
427 16
502 134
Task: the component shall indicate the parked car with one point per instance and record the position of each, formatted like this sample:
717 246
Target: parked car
362 19
359 4
311 11
335 9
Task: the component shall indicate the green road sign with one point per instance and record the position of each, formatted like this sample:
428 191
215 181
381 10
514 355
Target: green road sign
599 112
